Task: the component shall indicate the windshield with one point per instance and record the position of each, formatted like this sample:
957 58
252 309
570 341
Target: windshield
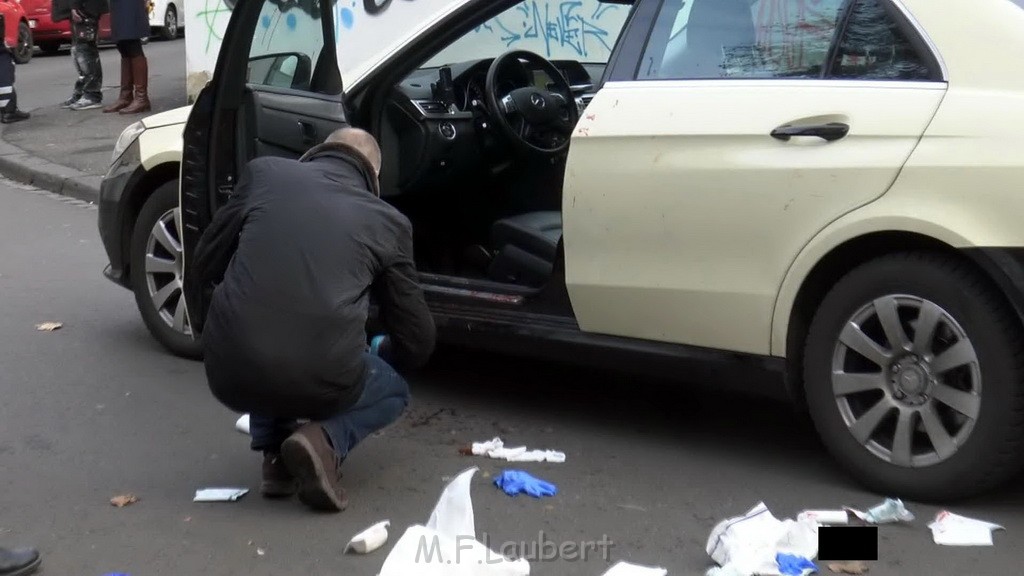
582 30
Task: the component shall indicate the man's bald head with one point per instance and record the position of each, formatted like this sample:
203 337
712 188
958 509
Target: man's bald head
360 140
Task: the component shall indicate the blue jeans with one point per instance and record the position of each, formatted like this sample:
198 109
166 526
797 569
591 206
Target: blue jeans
384 398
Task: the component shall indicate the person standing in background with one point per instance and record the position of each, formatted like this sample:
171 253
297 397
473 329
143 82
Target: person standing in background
129 25
85 24
8 97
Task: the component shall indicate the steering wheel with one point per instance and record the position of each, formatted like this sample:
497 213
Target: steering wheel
535 120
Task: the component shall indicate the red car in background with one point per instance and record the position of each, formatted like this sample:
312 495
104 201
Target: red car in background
17 30
49 35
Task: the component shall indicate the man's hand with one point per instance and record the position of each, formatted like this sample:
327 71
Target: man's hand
77 16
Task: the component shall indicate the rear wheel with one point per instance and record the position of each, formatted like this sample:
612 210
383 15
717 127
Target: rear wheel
23 50
914 376
170 29
156 267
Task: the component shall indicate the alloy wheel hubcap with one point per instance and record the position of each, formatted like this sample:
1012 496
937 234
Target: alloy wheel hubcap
163 272
906 380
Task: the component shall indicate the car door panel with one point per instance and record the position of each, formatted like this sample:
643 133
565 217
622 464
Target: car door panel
287 125
682 212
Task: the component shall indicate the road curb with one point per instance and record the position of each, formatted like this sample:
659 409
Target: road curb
21 166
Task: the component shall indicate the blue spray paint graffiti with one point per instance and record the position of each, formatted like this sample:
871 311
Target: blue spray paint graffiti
563 24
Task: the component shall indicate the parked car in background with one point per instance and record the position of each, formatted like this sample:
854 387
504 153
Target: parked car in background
17 30
166 17
48 35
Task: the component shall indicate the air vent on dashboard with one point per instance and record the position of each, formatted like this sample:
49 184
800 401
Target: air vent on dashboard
430 106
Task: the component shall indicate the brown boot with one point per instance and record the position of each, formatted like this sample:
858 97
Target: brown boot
310 457
125 97
140 78
278 482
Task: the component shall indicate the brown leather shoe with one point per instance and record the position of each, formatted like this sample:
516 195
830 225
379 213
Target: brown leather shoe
278 482
310 457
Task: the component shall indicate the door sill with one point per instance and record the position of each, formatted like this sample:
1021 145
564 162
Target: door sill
477 289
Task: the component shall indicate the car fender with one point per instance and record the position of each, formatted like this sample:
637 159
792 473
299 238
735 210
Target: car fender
948 223
161 145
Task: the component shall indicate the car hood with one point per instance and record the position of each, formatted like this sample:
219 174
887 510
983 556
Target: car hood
175 116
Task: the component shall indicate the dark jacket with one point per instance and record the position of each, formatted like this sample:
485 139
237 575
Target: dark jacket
61 9
129 20
297 251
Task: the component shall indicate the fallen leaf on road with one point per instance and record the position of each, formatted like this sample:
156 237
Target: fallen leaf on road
848 567
123 500
486 474
49 326
549 507
632 507
466 450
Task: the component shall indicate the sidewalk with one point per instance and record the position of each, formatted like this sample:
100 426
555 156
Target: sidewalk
69 152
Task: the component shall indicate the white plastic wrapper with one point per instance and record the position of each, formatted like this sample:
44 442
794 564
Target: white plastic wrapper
950 529
748 544
447 545
370 539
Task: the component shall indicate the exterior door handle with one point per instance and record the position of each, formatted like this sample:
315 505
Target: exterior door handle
829 132
308 131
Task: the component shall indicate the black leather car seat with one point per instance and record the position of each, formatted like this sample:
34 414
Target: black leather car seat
525 247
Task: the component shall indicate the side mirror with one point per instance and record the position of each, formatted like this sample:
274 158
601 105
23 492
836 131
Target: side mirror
283 70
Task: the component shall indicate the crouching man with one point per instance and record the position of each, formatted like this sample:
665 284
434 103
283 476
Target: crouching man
293 257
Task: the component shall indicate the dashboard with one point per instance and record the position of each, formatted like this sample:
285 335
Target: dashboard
434 142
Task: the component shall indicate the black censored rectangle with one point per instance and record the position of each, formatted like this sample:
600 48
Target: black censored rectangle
848 543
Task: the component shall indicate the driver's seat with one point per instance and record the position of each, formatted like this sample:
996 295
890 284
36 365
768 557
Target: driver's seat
526 247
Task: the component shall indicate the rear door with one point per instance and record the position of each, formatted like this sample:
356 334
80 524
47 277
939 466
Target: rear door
705 165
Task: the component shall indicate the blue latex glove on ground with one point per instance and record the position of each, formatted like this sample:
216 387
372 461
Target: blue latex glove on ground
791 565
518 482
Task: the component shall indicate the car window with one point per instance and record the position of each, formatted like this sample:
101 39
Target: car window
707 39
582 30
286 44
874 48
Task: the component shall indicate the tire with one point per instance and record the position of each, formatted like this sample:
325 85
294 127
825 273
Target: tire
976 346
169 31
23 50
168 322
49 47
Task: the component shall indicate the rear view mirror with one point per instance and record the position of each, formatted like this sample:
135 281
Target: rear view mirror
284 70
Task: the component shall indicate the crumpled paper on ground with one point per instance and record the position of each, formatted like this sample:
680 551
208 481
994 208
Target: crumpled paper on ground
950 529
447 545
747 545
890 511
496 449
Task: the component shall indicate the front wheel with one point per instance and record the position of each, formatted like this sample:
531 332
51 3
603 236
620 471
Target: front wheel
156 269
914 376
23 50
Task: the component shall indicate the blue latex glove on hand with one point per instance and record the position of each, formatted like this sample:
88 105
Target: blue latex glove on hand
515 482
378 344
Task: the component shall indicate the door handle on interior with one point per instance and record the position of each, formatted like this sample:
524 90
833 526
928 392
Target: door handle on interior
829 132
308 131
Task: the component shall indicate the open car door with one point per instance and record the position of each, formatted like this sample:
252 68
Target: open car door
278 89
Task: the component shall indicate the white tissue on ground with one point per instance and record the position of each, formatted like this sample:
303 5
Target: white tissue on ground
496 449
242 425
747 545
623 568
447 545
950 529
219 494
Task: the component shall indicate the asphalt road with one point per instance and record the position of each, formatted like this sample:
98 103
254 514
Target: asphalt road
96 409
84 140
